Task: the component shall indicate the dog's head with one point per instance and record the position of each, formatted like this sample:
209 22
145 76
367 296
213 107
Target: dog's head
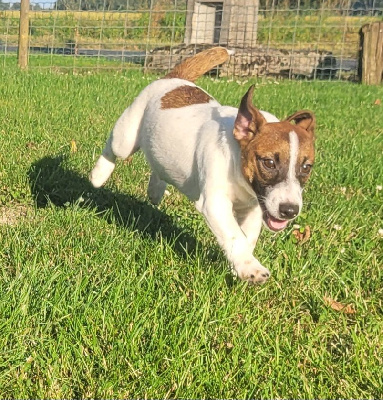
277 158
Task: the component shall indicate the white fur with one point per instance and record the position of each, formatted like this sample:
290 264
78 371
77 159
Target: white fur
288 191
193 148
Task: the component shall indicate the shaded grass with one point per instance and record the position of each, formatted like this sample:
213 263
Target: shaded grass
103 295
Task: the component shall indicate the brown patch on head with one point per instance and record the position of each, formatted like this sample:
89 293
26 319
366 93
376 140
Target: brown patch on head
184 96
265 147
269 148
304 128
266 158
194 67
306 154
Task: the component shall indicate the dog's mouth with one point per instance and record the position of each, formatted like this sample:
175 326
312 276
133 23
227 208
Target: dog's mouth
274 224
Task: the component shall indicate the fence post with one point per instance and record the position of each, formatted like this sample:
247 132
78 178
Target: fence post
371 53
23 35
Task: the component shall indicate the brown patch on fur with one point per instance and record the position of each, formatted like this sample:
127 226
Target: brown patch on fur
194 67
260 141
306 152
184 96
273 142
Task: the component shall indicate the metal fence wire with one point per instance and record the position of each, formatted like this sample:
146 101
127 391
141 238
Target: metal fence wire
301 38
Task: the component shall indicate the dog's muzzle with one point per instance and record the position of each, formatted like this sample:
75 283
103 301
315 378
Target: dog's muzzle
274 224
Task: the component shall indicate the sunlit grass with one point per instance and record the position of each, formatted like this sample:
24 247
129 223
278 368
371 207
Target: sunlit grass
104 296
74 15
286 29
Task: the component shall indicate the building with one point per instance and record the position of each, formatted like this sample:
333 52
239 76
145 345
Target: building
225 22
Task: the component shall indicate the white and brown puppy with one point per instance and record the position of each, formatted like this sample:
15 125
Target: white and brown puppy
240 167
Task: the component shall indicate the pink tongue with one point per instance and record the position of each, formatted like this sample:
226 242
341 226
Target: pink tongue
276 224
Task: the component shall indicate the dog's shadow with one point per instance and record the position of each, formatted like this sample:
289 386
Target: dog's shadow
52 182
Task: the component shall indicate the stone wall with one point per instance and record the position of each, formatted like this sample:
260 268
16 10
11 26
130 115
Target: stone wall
254 61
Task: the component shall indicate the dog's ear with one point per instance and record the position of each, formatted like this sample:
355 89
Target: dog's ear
305 119
249 119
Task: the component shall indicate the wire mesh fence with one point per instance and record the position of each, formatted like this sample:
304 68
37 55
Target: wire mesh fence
312 38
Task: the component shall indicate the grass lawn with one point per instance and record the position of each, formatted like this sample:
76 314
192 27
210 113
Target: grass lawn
281 27
104 296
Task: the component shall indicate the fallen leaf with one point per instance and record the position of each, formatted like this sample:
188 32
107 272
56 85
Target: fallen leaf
30 145
377 102
73 146
302 234
335 305
128 160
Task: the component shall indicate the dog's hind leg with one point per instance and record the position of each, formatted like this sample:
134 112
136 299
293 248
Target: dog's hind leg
156 188
104 166
122 142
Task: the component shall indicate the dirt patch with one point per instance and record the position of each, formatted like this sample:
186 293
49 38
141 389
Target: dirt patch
12 214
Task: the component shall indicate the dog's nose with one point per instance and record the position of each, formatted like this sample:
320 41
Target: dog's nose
288 210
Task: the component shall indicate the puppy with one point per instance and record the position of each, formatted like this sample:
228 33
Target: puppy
241 167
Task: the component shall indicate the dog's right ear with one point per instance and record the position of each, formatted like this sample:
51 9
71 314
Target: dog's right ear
249 119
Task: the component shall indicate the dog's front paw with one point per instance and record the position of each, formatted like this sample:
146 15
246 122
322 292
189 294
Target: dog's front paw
252 271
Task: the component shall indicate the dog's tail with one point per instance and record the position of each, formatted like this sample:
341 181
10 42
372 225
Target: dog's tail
194 67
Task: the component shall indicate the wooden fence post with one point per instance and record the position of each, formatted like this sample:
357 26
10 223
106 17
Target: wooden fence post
371 53
23 35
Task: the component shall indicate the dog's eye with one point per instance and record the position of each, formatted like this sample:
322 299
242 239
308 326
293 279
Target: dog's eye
306 169
269 163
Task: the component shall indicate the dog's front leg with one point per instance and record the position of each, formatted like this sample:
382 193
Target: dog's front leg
218 212
250 221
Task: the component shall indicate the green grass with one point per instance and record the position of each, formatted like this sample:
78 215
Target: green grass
327 30
69 63
105 296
